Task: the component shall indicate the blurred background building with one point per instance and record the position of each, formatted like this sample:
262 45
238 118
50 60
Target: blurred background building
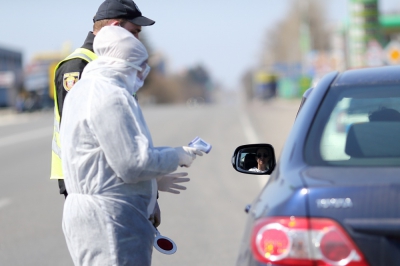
30 88
11 78
304 46
39 79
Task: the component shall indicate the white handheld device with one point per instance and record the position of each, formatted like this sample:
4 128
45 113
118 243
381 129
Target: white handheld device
200 144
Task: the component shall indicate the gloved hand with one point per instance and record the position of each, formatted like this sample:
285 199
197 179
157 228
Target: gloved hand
186 155
168 183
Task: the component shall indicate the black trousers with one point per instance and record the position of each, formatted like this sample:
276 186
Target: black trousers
61 185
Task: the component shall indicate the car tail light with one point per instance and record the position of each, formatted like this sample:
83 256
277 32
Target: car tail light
304 241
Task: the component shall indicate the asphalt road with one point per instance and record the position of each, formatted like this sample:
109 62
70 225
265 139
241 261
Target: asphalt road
206 221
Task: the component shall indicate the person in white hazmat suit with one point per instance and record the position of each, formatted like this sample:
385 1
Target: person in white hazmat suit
111 167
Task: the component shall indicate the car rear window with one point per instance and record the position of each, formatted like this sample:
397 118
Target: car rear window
356 126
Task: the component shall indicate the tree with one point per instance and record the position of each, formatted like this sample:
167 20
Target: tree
161 88
305 19
177 88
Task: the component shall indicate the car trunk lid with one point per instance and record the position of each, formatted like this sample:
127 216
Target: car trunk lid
365 202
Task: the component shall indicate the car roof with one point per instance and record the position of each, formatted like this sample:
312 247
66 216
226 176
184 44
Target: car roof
369 76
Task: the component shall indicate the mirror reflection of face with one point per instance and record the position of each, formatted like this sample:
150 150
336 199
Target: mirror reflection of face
245 159
262 157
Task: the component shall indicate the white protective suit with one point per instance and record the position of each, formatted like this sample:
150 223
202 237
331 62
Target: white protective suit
108 158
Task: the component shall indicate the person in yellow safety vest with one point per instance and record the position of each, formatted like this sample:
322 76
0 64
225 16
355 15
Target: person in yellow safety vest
123 13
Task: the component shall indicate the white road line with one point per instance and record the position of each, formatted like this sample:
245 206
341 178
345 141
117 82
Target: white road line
25 136
250 133
251 138
4 202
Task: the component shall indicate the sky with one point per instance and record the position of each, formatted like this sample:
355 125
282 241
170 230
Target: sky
225 36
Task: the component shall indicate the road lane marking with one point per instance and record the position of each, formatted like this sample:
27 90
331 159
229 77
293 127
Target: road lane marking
249 131
25 136
251 137
4 202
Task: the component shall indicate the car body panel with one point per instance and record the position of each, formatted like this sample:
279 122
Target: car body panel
367 76
377 237
284 180
347 195
292 152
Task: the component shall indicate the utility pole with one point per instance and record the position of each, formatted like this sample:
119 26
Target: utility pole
305 35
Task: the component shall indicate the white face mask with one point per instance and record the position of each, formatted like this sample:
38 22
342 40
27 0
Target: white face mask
140 77
138 84
142 71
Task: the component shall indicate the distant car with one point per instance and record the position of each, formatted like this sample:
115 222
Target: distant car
333 198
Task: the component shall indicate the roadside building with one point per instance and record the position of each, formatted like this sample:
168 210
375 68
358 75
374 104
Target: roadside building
39 78
10 76
372 37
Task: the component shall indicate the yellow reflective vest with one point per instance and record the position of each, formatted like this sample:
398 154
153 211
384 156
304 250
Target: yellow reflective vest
56 166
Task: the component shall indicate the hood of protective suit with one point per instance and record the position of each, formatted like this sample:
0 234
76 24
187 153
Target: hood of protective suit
121 56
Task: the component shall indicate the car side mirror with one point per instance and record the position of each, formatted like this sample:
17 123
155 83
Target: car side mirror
256 159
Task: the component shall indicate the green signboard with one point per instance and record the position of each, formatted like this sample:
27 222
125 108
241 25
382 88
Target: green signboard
364 27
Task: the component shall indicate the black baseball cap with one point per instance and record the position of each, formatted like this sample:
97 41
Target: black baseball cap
126 9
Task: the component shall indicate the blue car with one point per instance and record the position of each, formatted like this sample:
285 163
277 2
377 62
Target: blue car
333 197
